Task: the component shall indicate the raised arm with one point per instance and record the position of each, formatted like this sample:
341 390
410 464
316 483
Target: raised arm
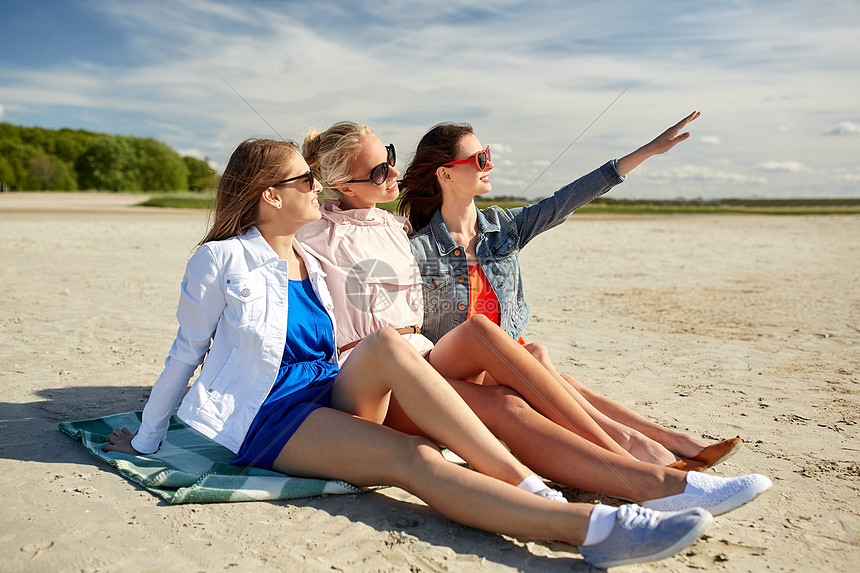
661 144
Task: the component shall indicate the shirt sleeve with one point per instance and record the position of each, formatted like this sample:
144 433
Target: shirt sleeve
532 220
201 304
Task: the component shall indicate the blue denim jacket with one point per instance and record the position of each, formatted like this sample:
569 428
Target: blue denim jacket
501 235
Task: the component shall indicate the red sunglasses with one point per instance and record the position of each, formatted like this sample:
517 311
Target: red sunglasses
481 160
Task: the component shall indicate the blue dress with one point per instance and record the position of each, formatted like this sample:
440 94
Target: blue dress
304 380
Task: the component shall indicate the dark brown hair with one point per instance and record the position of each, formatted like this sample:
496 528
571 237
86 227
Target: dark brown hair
255 165
422 195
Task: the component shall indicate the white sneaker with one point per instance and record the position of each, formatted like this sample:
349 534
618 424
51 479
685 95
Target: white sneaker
641 535
716 494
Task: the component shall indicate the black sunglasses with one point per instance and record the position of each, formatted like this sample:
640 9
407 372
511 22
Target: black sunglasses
309 176
379 174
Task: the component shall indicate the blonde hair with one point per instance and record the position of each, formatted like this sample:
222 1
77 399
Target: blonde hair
255 165
330 153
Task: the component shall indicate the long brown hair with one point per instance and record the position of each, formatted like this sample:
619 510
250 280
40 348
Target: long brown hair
421 194
255 165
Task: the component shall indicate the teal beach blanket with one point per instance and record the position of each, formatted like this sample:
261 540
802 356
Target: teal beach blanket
190 468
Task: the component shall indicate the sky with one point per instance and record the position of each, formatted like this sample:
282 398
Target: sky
556 88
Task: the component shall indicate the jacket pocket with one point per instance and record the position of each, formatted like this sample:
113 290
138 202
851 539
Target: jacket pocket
439 303
438 294
219 388
246 299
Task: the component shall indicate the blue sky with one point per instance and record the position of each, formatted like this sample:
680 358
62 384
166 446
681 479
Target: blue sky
778 83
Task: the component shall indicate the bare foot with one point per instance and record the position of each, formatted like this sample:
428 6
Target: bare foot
647 450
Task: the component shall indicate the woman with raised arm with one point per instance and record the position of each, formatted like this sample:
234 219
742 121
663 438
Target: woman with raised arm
255 311
373 279
469 262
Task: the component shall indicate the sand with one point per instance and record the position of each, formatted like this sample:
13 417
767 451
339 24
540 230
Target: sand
719 325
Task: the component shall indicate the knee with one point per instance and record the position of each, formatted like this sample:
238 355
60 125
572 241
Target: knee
506 413
541 354
508 404
387 336
388 342
481 321
483 325
515 405
538 350
418 457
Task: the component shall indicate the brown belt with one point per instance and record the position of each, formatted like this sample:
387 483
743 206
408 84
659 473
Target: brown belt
404 330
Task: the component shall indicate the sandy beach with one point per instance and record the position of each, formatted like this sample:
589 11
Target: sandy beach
719 325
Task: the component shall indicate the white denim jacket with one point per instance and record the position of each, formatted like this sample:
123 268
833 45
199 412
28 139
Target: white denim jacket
232 310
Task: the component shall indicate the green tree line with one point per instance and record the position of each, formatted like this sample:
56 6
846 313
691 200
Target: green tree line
37 159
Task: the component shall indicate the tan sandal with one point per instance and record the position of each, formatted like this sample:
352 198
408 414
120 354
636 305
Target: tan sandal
709 456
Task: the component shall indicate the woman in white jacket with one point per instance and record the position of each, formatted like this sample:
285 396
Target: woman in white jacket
256 307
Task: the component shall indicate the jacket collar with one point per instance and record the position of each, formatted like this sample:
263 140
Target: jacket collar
443 239
313 265
260 253
373 217
258 250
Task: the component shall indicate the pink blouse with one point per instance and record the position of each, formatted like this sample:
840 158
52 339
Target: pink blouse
370 271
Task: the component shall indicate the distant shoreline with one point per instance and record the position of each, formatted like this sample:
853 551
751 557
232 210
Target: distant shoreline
76 201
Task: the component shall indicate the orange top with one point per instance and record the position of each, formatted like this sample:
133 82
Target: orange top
482 297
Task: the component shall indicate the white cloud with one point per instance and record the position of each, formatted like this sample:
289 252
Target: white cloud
195 153
512 185
710 140
541 162
500 148
784 166
844 128
1 111
784 97
700 173
849 177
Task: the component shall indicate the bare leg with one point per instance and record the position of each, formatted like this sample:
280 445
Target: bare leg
647 440
478 345
384 363
554 452
679 443
641 446
335 445
563 456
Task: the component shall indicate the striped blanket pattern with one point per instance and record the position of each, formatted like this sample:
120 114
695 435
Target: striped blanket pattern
190 468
